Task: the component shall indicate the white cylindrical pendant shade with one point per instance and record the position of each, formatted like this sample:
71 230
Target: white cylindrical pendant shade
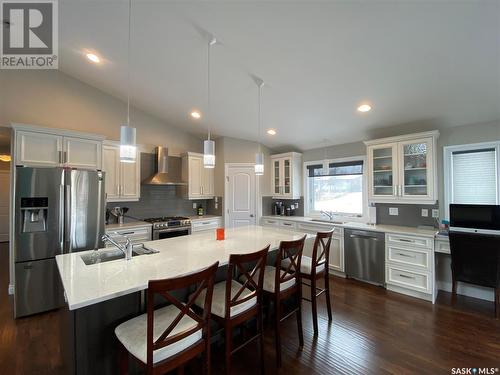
209 153
259 164
128 149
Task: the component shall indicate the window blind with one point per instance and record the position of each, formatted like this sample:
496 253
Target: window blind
345 168
474 177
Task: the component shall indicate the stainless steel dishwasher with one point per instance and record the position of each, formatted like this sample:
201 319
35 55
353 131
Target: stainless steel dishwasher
364 253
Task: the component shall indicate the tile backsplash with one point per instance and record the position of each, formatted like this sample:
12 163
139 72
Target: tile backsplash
267 205
159 201
409 215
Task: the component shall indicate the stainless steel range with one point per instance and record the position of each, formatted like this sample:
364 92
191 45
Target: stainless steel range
170 226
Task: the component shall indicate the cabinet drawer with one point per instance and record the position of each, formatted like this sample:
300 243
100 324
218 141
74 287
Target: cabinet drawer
311 228
413 241
270 222
314 228
209 224
419 281
288 224
442 247
413 257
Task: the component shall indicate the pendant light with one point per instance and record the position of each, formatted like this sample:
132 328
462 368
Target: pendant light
208 144
128 148
259 156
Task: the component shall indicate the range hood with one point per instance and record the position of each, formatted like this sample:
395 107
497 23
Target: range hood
163 176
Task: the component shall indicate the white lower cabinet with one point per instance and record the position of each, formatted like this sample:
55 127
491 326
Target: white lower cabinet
336 259
409 267
409 279
201 225
136 234
288 224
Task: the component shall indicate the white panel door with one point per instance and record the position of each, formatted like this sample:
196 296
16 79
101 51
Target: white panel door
240 190
38 149
4 205
111 166
82 153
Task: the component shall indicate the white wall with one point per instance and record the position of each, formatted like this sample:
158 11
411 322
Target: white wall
54 99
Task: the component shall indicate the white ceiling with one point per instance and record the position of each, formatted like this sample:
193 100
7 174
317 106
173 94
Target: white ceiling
430 61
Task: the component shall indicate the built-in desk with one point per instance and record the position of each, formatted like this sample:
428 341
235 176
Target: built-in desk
442 244
443 272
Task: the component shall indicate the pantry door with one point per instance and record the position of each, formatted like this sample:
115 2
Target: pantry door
240 193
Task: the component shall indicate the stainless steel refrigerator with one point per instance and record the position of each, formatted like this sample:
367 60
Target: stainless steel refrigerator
57 211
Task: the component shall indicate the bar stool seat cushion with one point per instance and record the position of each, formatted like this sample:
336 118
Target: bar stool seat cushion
219 299
305 265
269 277
133 334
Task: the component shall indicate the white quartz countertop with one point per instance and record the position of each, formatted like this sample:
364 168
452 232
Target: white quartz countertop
204 217
397 229
128 224
86 285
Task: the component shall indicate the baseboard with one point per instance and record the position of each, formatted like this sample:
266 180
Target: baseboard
11 289
409 292
336 273
473 291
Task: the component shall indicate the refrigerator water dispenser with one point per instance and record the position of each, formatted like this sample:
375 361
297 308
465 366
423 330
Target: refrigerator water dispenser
34 214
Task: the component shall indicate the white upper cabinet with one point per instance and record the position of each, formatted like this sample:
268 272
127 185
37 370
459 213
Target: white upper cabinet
200 180
286 175
42 147
38 149
111 166
122 180
403 169
82 153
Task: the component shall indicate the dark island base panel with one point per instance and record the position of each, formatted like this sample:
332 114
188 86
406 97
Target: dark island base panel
92 347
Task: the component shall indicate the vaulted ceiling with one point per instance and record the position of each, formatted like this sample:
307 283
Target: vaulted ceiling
413 61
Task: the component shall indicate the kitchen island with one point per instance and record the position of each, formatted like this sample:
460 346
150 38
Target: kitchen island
102 295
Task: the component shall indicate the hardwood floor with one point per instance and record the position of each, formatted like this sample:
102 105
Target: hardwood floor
373 332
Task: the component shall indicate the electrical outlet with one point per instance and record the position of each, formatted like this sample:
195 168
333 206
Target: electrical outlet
195 205
425 212
393 211
216 205
435 213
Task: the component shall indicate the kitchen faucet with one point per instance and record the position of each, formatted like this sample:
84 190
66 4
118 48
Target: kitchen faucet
127 249
329 214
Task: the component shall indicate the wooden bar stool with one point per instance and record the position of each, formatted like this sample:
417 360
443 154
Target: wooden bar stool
315 268
283 281
165 339
235 303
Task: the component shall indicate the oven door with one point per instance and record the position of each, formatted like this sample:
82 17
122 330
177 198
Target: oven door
159 234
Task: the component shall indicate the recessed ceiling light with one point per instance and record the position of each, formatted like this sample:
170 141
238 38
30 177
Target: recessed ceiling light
93 57
364 108
271 132
196 114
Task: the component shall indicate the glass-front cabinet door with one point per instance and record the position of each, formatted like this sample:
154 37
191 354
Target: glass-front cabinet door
287 176
276 177
384 173
415 166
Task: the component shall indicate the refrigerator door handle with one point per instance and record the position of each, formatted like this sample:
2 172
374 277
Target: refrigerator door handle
61 218
67 220
100 214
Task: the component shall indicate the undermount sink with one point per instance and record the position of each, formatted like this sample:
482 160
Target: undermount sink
102 256
328 221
